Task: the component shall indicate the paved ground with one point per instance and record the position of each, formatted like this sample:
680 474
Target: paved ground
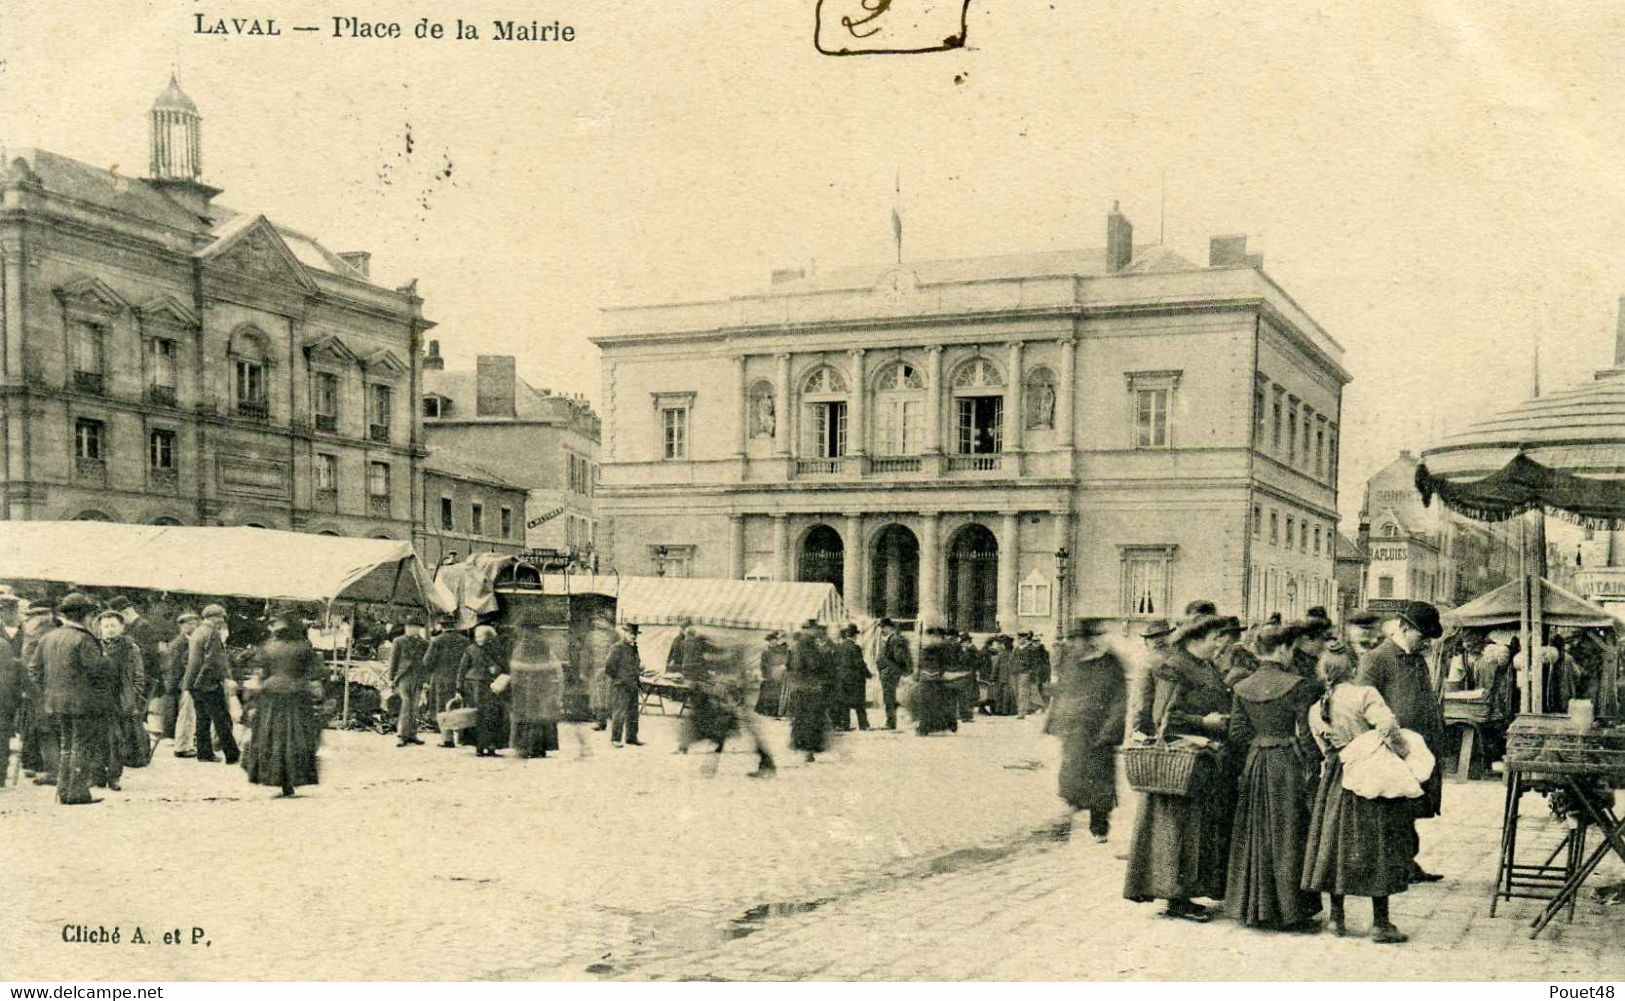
631 863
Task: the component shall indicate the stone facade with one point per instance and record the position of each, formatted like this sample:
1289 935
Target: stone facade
544 442
170 360
467 509
999 442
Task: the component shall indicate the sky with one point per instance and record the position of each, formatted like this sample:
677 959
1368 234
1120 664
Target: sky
1437 182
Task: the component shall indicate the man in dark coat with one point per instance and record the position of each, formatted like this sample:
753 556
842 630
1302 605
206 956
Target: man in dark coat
174 672
41 744
1032 669
624 668
1088 715
851 682
407 673
974 663
140 631
1398 669
71 662
893 660
441 661
206 668
11 694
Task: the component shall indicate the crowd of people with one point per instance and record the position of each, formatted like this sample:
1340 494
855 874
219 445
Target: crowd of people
91 688
1291 726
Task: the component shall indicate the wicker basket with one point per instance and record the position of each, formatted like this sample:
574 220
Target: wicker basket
1164 769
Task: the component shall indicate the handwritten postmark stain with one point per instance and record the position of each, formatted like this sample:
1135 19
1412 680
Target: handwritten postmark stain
896 27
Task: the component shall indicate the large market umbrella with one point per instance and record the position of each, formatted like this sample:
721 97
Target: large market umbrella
1561 453
1504 607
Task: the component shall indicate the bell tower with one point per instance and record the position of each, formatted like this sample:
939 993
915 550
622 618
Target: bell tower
176 148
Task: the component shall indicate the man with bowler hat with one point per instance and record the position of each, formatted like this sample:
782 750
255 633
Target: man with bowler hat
1399 671
623 669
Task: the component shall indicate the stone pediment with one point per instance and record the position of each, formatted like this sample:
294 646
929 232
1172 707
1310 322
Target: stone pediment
255 249
92 294
331 348
167 309
385 360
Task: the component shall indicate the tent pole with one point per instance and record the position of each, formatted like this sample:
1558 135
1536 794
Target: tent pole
349 641
1524 689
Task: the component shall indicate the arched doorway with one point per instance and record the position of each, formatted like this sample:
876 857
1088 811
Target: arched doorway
894 582
973 580
823 557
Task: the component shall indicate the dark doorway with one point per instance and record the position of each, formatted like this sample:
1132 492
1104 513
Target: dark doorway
823 557
973 580
894 583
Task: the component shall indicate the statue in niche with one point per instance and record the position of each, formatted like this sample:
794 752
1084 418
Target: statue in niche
763 422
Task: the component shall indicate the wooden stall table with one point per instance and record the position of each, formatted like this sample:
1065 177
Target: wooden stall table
1551 750
657 688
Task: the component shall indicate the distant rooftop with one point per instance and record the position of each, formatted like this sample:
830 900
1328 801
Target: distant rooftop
1082 263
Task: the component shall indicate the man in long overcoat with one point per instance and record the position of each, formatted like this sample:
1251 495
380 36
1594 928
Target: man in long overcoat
892 661
206 667
851 682
1088 714
407 673
623 669
71 662
1398 669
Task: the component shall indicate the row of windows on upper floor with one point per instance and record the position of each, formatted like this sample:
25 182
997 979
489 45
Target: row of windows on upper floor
92 453
1292 432
249 381
1301 534
476 518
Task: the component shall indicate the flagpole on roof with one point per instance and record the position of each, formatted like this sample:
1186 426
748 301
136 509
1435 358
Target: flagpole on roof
897 215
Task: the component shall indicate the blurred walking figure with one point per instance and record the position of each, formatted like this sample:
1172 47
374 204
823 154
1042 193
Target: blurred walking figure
408 671
287 727
623 669
851 682
1032 670
1087 713
75 673
893 662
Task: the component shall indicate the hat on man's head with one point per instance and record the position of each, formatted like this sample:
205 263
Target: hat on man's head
1198 628
213 612
1156 627
1199 607
887 624
75 606
118 604
37 609
1089 625
811 624
849 630
288 623
1363 617
772 635
109 613
1422 617
1232 626
1317 612
1274 619
185 617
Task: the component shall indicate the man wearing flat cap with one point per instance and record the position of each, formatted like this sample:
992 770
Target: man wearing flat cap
409 672
174 673
206 667
75 671
1398 669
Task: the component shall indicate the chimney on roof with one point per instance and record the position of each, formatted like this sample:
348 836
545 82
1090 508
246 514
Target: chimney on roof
361 260
494 386
1229 252
1119 240
432 362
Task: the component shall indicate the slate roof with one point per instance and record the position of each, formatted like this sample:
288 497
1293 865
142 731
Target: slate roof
451 465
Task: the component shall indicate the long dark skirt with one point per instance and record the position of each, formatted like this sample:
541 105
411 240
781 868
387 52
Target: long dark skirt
1357 847
708 717
935 707
809 718
490 722
1181 844
534 739
1267 842
282 748
134 746
1088 773
1002 697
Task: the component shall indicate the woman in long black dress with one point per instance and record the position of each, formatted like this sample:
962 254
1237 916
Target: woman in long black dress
1267 717
287 727
811 672
935 700
482 664
1181 844
1357 846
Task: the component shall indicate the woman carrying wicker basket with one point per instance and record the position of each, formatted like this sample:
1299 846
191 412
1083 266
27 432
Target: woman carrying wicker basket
1272 809
1181 843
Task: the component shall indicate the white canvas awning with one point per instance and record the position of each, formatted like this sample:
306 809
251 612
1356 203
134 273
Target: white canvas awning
237 562
742 604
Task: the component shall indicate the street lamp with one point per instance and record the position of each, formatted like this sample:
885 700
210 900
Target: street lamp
660 561
1062 557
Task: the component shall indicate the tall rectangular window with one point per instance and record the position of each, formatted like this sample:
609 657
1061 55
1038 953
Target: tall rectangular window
507 523
900 426
674 432
980 425
326 401
161 450
828 430
327 471
1320 454
383 403
89 440
161 363
1317 540
1151 418
447 518
1292 435
249 385
1275 425
1145 584
1385 587
1260 415
476 518
1291 532
88 341
1275 528
1258 522
378 479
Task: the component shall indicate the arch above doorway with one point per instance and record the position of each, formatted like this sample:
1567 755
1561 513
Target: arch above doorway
894 573
973 579
822 557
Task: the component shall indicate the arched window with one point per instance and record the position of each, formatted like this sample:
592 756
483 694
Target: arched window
978 388
763 413
250 364
823 394
1038 396
899 407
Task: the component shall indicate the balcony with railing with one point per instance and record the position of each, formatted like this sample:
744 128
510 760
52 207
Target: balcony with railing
254 410
161 396
378 432
88 382
818 467
166 480
377 505
327 423
86 468
326 500
882 465
974 463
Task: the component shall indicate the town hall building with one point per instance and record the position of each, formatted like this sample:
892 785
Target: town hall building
994 443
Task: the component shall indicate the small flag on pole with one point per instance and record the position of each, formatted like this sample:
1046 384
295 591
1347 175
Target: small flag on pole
897 217
850 27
